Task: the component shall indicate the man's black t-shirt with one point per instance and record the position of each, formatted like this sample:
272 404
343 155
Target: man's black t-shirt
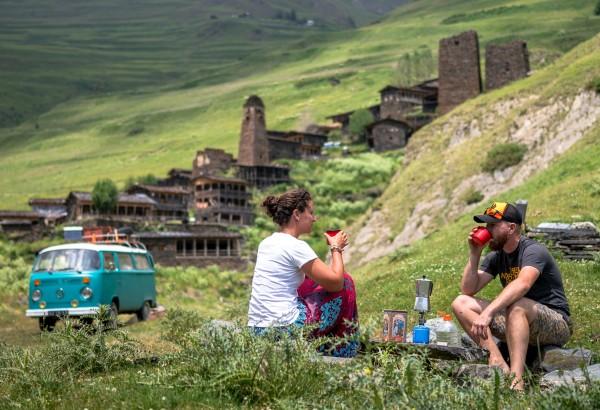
547 289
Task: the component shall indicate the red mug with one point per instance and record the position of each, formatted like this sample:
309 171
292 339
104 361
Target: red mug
481 236
332 232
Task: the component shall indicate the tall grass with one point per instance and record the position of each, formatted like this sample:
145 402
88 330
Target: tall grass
223 367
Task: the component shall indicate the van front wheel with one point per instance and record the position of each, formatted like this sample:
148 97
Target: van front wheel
112 321
47 323
144 313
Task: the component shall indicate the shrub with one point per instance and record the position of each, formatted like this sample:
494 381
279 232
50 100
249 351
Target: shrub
594 85
149 179
105 195
472 196
358 123
503 156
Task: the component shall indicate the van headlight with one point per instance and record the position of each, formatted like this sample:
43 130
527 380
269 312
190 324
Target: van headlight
36 295
86 293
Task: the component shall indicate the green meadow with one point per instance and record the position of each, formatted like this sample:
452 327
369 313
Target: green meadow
134 129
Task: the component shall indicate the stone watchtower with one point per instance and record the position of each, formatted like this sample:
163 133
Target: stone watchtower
458 68
254 146
505 63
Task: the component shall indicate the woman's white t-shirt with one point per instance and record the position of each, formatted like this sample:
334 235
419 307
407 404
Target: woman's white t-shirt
276 279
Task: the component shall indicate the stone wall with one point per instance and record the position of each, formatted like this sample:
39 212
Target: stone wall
505 63
279 148
388 135
459 72
212 161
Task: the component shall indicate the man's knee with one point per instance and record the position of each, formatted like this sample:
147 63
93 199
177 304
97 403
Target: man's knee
521 307
462 303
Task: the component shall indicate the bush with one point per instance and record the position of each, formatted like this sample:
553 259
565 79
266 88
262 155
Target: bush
594 85
149 179
358 123
105 196
472 196
503 156
597 9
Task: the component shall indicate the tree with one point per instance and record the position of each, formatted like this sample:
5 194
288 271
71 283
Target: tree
358 123
149 179
597 9
415 67
105 196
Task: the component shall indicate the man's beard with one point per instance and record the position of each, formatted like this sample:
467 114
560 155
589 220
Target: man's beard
498 243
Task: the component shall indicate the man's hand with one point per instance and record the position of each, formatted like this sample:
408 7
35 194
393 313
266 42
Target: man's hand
481 325
473 247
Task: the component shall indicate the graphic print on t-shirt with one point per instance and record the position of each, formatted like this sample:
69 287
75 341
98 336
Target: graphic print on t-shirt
508 277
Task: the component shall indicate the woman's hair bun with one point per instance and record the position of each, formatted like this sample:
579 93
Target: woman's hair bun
281 208
270 204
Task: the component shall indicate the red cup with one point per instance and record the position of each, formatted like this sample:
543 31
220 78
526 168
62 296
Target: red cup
332 232
481 236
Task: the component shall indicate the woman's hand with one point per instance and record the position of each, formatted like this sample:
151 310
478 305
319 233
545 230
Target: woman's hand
340 239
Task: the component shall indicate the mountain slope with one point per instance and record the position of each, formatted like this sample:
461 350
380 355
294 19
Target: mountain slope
153 128
55 50
559 176
548 112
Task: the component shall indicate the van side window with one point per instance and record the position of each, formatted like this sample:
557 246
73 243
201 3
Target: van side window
125 262
109 261
141 262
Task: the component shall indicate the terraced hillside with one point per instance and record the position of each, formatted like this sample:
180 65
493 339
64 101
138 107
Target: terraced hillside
54 50
165 106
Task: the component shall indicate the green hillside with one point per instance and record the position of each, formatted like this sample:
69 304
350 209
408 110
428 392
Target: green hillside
54 51
417 226
565 189
166 98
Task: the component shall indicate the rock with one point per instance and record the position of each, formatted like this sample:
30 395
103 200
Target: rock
335 360
565 359
559 378
476 370
435 351
157 312
467 342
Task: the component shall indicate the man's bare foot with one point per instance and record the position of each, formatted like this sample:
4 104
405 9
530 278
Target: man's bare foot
499 363
518 384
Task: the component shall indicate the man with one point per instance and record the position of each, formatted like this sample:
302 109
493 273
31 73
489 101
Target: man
531 309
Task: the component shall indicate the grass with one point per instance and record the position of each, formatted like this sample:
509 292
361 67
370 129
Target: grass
185 361
218 367
185 98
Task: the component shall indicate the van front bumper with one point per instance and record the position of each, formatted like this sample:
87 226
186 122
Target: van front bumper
62 312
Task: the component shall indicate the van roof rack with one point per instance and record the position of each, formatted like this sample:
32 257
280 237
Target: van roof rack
113 238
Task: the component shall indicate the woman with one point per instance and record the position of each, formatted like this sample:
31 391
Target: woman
292 286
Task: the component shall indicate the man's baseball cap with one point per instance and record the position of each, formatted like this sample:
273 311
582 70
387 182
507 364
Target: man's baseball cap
500 211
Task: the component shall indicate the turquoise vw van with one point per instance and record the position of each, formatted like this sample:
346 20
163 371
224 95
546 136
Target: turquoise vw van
76 279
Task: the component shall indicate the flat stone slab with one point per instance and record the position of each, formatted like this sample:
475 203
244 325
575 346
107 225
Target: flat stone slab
565 359
476 370
467 354
573 377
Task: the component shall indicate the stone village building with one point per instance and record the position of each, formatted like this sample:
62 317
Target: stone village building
404 110
199 245
259 147
505 63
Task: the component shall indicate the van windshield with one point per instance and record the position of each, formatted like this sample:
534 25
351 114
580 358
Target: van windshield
68 259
